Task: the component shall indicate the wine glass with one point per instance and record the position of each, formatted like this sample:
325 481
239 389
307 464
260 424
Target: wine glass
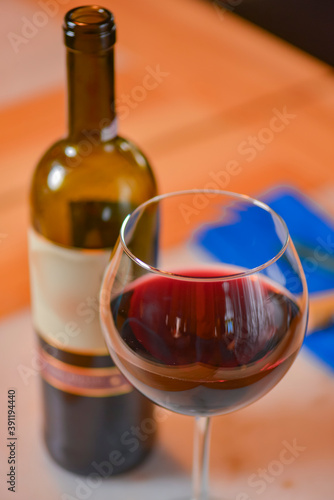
204 306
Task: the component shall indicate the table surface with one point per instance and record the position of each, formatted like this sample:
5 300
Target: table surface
248 460
224 83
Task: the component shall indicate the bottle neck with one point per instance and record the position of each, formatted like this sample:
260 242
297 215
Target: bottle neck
91 98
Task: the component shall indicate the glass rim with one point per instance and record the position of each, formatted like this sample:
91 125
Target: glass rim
225 277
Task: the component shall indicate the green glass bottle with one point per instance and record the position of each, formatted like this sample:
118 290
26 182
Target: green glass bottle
82 189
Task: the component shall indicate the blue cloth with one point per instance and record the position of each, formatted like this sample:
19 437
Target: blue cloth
312 232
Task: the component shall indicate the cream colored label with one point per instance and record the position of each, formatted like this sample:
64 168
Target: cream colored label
65 284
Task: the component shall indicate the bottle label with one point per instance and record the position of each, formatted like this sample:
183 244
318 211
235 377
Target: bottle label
65 285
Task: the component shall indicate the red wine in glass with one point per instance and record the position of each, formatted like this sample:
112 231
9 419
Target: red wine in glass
205 347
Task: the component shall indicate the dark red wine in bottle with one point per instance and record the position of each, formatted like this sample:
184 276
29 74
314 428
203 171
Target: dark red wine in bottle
82 189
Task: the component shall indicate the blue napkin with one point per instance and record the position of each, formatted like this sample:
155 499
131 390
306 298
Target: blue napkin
312 232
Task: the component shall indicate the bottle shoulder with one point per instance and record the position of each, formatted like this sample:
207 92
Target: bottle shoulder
67 163
83 153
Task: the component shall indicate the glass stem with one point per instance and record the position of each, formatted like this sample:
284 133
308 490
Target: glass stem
201 458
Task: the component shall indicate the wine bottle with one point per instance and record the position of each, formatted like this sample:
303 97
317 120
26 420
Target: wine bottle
82 189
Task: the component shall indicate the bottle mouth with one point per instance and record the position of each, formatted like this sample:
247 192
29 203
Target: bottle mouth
89 28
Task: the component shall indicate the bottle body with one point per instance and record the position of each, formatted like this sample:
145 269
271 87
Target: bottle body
79 217
82 189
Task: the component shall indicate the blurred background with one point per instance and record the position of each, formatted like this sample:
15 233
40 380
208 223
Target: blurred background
221 82
235 107
305 23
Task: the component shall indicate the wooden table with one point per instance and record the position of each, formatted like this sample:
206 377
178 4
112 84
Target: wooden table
223 81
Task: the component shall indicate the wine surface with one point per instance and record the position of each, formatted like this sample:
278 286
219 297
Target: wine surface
201 347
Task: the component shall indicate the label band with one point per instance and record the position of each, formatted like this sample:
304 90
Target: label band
91 382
